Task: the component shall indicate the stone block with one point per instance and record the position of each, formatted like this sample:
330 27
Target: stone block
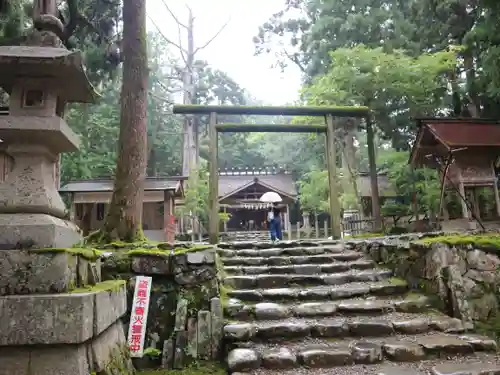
181 315
108 348
38 231
181 340
201 257
167 358
60 360
204 334
15 361
110 305
46 319
69 318
192 345
30 272
216 318
151 264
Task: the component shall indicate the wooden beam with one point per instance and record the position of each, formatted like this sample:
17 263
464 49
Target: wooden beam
270 128
270 110
213 197
332 177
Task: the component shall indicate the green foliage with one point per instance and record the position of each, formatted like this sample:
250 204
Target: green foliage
314 192
394 85
196 368
406 181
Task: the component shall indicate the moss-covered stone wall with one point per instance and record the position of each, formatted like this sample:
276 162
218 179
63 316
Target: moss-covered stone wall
461 271
185 299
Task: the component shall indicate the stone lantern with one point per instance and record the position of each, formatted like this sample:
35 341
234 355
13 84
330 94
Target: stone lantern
40 81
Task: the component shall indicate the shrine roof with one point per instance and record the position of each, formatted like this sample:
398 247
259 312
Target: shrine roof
453 132
64 66
106 185
281 183
385 187
441 135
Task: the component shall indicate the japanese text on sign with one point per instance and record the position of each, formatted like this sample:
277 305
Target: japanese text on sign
139 316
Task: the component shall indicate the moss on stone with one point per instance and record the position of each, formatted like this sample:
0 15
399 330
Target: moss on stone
148 252
481 241
196 368
109 285
397 281
87 253
152 353
193 249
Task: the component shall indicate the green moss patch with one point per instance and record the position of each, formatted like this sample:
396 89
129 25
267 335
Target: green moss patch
192 249
481 241
87 253
166 252
148 252
197 368
109 285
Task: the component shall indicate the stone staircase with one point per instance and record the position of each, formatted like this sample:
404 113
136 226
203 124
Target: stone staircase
245 236
318 308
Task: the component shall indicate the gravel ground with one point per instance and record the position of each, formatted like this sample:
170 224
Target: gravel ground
421 367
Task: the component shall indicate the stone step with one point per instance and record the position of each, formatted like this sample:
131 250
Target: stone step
275 311
380 288
287 260
478 363
283 244
312 250
325 354
356 326
305 269
282 281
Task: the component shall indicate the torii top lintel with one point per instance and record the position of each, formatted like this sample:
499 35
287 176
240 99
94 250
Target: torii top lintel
271 110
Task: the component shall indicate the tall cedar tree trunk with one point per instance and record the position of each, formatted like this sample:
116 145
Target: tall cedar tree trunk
123 221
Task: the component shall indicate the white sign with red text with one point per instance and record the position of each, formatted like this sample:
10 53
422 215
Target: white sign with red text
139 316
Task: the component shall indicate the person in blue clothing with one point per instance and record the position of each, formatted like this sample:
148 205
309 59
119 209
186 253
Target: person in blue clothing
274 220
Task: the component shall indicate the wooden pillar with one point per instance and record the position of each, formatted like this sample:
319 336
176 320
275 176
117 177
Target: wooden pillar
465 210
332 176
72 208
213 197
225 221
168 209
288 222
495 190
475 199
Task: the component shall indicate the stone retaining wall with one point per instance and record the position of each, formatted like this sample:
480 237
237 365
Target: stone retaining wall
57 315
185 311
465 279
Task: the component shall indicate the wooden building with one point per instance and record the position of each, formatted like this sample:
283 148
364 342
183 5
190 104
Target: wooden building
466 152
385 189
90 201
239 193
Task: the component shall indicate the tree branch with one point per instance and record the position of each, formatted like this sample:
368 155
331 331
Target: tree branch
213 37
179 33
172 14
164 36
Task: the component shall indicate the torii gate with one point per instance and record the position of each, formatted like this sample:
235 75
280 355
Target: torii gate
329 114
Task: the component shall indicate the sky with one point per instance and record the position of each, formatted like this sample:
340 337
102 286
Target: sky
233 50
